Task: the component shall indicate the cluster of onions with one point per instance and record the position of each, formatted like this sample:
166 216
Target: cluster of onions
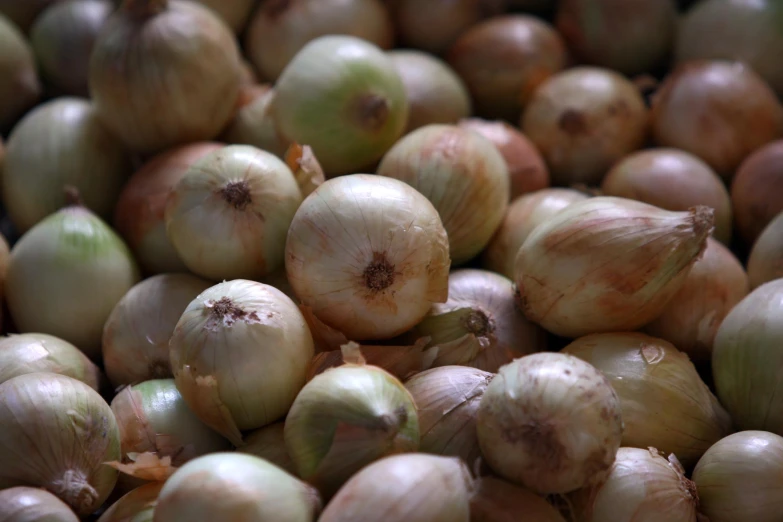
253 123
269 444
20 88
26 504
756 189
496 500
137 505
766 258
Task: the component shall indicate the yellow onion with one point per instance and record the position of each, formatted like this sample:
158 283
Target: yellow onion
235 13
24 504
746 356
237 486
305 166
62 143
756 189
228 215
642 486
281 28
739 478
157 85
23 13
550 422
57 433
435 93
342 96
253 124
664 401
495 500
66 275
135 506
607 264
462 174
268 443
239 354
523 215
480 324
766 257
20 88
447 400
715 284
373 268
34 352
405 488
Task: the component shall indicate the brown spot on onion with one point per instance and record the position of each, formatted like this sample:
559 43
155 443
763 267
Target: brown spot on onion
573 122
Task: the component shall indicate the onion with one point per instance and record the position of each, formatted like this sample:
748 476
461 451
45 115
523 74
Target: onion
253 123
607 264
139 214
235 13
239 354
435 93
665 403
766 258
23 13
747 353
503 61
57 433
34 352
524 214
715 284
62 39
24 504
739 478
673 180
281 28
496 500
342 96
583 120
756 189
65 276
642 485
405 488
462 174
447 400
269 444
62 142
480 324
631 37
135 506
373 269
241 487
158 86
527 171
719 111
20 88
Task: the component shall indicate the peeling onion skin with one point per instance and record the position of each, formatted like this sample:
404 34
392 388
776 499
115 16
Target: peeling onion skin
135 506
550 422
739 478
235 13
765 263
268 443
495 500
253 123
26 504
369 254
20 88
756 191
68 431
607 264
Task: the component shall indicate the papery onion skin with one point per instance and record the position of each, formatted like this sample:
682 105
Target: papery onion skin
495 500
135 506
756 189
739 478
65 431
235 13
237 486
373 269
607 264
524 214
715 284
244 321
25 504
20 88
305 166
665 403
62 142
530 414
765 262
747 353
268 443
405 488
253 123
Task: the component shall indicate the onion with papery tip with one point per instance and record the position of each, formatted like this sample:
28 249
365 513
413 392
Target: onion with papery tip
20 88
756 191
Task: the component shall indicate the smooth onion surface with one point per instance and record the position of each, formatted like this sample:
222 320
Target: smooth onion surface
269 444
235 13
495 500
135 506
756 191
766 258
26 504
20 88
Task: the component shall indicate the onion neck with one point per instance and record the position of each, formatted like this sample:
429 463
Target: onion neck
371 111
75 491
72 196
145 8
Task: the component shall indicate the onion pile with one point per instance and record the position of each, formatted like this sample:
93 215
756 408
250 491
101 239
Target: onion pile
20 87
756 189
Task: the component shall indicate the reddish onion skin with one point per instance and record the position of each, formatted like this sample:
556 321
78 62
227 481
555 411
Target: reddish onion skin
719 111
138 216
766 258
504 59
757 191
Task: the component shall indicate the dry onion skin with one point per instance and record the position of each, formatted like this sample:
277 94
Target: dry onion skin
60 143
237 486
405 488
715 284
495 500
25 504
765 263
607 264
229 214
268 443
524 214
739 478
20 88
464 176
253 124
756 190
157 86
664 401
281 28
137 505
550 422
235 13
480 324
239 354
369 255
65 432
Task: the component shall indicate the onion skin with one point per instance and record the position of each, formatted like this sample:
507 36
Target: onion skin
25 504
136 506
496 500
756 189
672 180
503 61
253 123
718 111
268 443
20 88
766 258
235 13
